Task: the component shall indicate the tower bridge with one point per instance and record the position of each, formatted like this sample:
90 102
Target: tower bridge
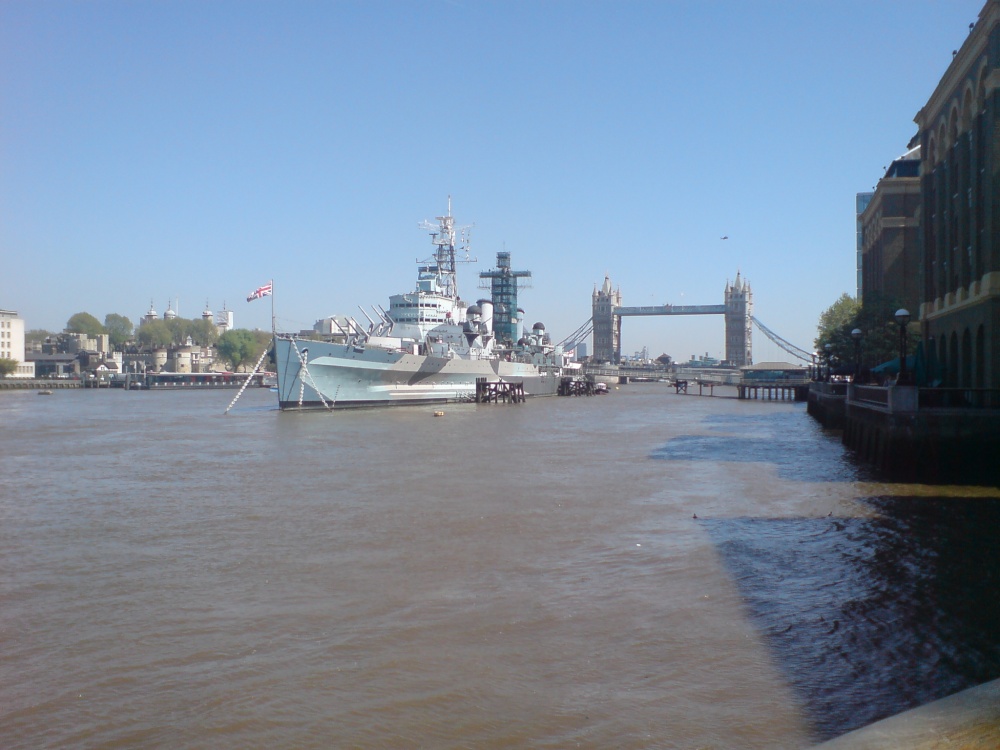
737 308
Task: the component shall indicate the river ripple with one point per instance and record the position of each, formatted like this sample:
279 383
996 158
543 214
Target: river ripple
501 577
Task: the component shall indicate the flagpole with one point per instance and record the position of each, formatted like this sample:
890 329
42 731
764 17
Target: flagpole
272 309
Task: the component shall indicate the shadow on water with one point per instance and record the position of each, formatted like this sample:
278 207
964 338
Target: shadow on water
868 617
798 447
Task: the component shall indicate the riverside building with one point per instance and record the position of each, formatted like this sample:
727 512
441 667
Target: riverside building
960 211
890 236
12 343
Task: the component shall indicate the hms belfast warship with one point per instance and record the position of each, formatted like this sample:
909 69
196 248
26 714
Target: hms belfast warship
429 347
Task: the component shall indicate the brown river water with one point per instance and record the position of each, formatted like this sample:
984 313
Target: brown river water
637 570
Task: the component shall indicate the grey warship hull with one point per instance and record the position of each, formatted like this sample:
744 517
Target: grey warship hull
315 374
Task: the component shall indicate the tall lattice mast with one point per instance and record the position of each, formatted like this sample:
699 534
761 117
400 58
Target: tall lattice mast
445 237
503 285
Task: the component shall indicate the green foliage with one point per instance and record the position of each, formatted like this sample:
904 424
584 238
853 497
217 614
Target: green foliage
241 346
834 330
84 322
7 366
37 335
875 318
119 329
201 332
834 319
154 335
264 341
263 338
180 329
204 332
880 331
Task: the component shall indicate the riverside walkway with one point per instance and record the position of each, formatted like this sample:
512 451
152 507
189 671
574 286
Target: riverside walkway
31 384
969 720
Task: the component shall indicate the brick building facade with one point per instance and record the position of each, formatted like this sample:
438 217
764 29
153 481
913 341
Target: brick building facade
960 212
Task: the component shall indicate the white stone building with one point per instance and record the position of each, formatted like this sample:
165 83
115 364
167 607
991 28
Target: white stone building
12 343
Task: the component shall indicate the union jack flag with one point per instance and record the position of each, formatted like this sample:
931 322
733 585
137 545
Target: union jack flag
261 291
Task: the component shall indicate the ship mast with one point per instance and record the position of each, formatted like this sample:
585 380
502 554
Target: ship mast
443 237
445 252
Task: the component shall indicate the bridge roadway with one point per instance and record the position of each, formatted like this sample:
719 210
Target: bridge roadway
671 310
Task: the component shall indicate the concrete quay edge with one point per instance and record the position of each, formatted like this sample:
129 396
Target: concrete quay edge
967 720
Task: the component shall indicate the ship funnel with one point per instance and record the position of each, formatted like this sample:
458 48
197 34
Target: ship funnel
487 308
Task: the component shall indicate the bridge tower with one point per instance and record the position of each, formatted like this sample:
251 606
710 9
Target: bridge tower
607 325
739 312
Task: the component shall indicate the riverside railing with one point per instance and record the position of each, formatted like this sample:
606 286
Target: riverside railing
872 394
896 398
958 398
829 388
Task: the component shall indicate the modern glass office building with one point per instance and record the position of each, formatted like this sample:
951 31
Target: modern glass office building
861 203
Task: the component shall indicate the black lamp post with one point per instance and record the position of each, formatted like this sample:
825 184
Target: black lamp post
856 335
828 348
902 318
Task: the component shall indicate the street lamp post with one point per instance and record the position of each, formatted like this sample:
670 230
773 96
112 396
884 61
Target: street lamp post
828 348
856 335
902 318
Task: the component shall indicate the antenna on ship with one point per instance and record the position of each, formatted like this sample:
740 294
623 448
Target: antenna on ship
443 238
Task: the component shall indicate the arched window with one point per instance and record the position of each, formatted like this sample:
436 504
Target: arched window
966 381
942 359
953 362
931 242
980 357
979 167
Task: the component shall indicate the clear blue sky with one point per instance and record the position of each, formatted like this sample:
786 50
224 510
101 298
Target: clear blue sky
187 152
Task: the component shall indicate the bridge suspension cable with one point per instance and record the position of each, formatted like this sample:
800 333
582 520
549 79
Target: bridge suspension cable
587 328
578 335
786 345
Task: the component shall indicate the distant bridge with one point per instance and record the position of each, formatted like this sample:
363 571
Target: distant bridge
605 324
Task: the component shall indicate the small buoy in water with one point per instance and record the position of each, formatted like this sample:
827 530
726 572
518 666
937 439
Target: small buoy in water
439 414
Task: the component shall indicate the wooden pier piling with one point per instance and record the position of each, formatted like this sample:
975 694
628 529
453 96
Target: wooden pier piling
773 390
496 392
576 387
